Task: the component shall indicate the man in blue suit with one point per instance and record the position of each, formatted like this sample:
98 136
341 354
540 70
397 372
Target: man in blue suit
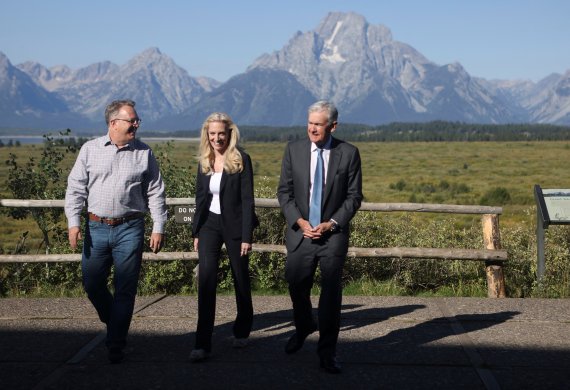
318 204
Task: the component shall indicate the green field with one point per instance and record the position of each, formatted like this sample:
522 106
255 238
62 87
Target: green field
438 172
448 172
493 173
478 166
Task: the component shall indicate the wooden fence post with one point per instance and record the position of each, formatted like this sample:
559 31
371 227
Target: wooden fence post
494 270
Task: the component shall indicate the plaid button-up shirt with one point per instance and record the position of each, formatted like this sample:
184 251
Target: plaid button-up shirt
115 183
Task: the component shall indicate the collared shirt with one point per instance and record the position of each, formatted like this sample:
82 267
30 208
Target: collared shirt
326 155
115 182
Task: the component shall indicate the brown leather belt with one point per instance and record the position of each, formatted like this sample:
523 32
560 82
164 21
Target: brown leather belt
114 221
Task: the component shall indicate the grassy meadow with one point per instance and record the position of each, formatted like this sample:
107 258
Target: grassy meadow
438 172
435 172
468 173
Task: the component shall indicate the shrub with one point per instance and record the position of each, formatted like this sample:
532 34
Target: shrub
43 179
497 196
400 185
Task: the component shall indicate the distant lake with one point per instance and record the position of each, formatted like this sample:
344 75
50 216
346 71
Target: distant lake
34 139
24 139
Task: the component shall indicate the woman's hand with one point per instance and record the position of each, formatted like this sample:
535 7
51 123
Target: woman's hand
245 248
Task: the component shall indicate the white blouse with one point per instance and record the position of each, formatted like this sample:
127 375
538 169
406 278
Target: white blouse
215 182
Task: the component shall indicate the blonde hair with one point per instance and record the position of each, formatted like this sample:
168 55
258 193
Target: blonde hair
233 162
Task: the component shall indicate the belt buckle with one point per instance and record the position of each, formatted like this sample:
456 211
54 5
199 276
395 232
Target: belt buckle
117 221
109 221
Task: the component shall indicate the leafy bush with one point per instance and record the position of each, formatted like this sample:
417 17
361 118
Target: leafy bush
400 185
498 196
39 180
376 230
436 193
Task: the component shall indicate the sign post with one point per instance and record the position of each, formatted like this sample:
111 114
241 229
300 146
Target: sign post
552 208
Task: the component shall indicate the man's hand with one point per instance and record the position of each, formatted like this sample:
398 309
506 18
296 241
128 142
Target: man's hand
326 227
196 244
74 234
314 233
156 242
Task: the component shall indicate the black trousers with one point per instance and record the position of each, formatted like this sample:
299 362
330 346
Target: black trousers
329 253
209 251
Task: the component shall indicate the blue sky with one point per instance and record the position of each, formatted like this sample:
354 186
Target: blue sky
503 39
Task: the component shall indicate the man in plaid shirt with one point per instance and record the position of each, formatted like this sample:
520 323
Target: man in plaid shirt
117 178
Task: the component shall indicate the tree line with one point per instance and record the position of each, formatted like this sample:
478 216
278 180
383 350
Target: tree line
435 131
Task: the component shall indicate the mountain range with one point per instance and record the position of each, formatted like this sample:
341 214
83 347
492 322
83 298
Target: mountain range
372 78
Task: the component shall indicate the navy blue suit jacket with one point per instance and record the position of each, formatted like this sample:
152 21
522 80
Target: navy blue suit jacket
343 190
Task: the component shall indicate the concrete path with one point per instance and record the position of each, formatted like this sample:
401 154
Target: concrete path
385 343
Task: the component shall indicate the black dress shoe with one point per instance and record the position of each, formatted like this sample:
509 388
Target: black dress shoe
331 365
116 355
296 341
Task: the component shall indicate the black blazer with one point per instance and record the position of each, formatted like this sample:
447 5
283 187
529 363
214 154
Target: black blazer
236 202
343 189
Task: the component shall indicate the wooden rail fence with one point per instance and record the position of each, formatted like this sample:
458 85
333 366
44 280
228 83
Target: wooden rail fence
492 254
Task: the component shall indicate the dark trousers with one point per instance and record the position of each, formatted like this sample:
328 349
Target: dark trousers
299 272
209 251
104 247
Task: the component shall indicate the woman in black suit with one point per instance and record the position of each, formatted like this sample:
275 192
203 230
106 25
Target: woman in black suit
225 214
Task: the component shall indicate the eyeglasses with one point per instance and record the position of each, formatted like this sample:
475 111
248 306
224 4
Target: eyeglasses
134 121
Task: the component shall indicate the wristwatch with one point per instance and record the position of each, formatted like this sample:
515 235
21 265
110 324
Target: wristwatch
334 225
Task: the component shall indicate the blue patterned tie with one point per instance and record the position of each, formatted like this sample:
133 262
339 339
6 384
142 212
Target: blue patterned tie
316 199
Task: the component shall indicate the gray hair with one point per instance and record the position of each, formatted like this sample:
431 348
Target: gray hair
326 106
115 106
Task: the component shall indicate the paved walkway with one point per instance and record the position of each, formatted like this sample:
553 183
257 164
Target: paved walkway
385 343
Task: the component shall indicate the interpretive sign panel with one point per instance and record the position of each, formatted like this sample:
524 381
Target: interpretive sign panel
554 205
552 208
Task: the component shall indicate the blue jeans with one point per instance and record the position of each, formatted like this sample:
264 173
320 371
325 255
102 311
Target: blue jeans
104 247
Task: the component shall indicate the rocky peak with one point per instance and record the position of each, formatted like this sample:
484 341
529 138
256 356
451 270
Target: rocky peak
96 72
149 57
345 57
4 61
563 86
351 28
